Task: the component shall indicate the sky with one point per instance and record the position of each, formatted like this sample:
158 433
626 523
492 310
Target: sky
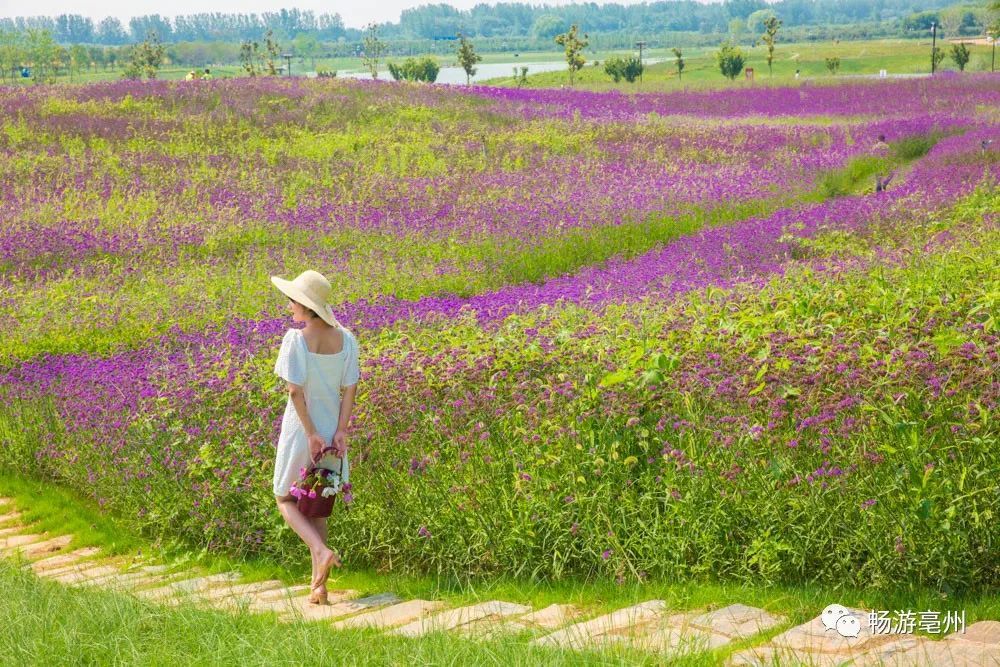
355 13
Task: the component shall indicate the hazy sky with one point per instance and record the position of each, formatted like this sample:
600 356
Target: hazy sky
356 14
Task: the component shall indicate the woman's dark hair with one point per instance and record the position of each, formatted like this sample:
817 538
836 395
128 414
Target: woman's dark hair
310 311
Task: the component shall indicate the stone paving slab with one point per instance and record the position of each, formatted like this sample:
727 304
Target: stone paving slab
284 605
246 590
76 576
391 617
628 620
46 547
76 566
63 560
544 620
283 593
455 618
10 515
672 634
814 637
9 543
737 621
12 530
188 585
922 652
347 607
301 608
898 652
984 632
149 574
549 618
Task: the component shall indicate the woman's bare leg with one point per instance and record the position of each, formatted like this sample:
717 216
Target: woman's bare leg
305 529
301 524
320 523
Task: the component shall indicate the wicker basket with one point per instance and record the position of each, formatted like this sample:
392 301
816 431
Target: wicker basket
316 507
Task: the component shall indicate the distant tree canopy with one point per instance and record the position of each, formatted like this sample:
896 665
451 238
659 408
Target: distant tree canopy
441 21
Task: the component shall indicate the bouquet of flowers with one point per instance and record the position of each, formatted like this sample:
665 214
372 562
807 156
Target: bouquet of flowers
317 489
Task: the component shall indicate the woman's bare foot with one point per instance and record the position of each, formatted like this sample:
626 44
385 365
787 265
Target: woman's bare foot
319 595
325 562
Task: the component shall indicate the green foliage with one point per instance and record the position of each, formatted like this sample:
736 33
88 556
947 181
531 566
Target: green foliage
730 60
916 146
619 68
259 59
854 176
678 61
833 64
573 44
960 55
145 58
415 69
42 51
467 57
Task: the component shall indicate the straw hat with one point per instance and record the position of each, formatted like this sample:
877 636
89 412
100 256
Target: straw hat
311 289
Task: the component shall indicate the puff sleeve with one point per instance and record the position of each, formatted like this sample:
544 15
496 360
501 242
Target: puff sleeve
291 363
352 366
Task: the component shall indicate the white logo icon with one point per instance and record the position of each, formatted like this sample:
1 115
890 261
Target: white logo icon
838 617
848 626
832 614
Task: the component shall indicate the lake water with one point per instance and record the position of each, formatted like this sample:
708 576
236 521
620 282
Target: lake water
484 71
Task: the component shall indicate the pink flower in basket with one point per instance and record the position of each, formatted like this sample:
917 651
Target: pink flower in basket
312 493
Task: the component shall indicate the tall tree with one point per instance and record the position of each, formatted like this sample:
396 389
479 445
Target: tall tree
771 26
145 58
574 45
374 49
43 51
678 62
11 52
272 50
467 57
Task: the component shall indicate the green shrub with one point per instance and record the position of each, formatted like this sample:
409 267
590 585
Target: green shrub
413 69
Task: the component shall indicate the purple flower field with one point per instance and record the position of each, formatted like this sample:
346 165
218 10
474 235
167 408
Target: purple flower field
602 335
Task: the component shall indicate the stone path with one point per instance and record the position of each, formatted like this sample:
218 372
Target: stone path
766 638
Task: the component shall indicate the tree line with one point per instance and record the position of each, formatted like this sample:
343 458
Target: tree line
503 20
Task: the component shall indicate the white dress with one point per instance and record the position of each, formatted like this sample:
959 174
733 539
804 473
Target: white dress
322 376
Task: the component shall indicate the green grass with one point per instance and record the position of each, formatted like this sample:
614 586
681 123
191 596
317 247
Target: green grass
898 56
149 634
46 624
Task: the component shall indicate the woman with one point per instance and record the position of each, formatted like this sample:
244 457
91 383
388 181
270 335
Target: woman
319 363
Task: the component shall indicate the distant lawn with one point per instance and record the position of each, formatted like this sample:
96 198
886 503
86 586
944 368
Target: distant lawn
897 56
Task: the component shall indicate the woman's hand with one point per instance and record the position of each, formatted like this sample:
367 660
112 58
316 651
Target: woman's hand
316 446
340 443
